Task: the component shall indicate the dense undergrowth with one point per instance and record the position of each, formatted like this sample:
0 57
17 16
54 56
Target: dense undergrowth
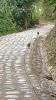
18 15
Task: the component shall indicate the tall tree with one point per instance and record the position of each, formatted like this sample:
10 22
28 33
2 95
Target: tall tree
23 7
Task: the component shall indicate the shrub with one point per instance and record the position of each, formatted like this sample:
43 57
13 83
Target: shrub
7 26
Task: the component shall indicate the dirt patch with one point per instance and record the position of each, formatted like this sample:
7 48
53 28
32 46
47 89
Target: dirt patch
37 68
50 43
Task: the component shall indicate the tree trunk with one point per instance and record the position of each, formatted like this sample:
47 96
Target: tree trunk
31 17
26 24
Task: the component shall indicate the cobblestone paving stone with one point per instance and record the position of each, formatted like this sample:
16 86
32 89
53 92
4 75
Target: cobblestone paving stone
14 81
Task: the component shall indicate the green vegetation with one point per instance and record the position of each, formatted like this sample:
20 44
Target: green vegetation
6 25
49 7
17 15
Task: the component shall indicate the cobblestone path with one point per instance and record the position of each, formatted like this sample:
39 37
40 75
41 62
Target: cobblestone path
15 84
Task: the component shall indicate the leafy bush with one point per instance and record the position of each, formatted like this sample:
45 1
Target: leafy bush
35 21
19 28
7 26
15 15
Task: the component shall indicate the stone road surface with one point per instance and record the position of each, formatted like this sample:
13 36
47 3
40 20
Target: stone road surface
15 84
